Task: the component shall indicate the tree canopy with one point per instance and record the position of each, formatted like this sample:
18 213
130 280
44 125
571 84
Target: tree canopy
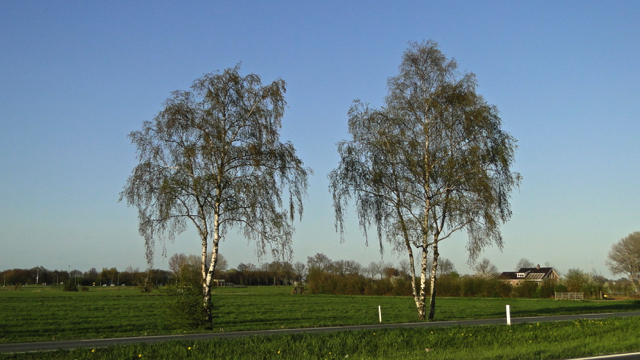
524 263
432 161
485 269
212 158
624 256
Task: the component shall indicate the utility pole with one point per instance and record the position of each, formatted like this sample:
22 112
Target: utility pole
69 274
37 274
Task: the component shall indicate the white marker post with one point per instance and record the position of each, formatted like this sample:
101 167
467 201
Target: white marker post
508 315
380 313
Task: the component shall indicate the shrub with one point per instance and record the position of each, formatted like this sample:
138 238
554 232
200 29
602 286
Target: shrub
547 288
526 289
575 279
504 289
185 308
143 282
322 282
448 285
69 287
560 288
467 286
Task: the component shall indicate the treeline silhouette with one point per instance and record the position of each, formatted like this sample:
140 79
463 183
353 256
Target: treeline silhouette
93 277
321 275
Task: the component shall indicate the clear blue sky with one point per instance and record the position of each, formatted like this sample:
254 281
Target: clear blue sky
76 77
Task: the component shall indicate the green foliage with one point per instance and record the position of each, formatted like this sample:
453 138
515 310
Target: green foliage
575 279
473 286
560 288
184 307
525 289
144 283
449 285
321 282
547 288
70 286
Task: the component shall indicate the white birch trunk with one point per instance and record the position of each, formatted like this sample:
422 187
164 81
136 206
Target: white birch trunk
423 283
207 271
434 268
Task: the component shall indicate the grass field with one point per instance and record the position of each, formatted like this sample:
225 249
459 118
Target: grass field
37 314
558 340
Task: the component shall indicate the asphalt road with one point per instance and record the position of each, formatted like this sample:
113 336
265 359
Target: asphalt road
96 343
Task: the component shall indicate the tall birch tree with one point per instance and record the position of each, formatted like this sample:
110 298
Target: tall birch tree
212 158
431 162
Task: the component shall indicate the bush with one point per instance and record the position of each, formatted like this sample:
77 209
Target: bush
322 282
185 308
448 285
575 280
505 289
560 288
526 289
547 288
69 287
143 282
472 286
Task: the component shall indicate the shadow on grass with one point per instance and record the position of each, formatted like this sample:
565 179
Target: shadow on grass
584 309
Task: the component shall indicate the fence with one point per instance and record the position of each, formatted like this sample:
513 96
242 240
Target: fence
569 296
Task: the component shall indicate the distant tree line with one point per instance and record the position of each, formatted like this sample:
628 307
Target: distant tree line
106 277
322 275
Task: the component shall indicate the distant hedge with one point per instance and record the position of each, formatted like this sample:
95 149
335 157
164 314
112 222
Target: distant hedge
452 285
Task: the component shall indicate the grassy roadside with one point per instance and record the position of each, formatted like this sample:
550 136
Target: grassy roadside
32 315
559 340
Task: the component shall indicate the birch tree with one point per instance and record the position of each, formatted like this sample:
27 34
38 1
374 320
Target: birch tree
431 162
213 159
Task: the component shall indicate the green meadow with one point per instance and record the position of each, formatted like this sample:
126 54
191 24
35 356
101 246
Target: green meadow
557 340
42 313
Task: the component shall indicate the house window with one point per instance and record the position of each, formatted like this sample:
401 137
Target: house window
521 275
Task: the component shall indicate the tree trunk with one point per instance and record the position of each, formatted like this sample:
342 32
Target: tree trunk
412 267
423 284
434 275
207 272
